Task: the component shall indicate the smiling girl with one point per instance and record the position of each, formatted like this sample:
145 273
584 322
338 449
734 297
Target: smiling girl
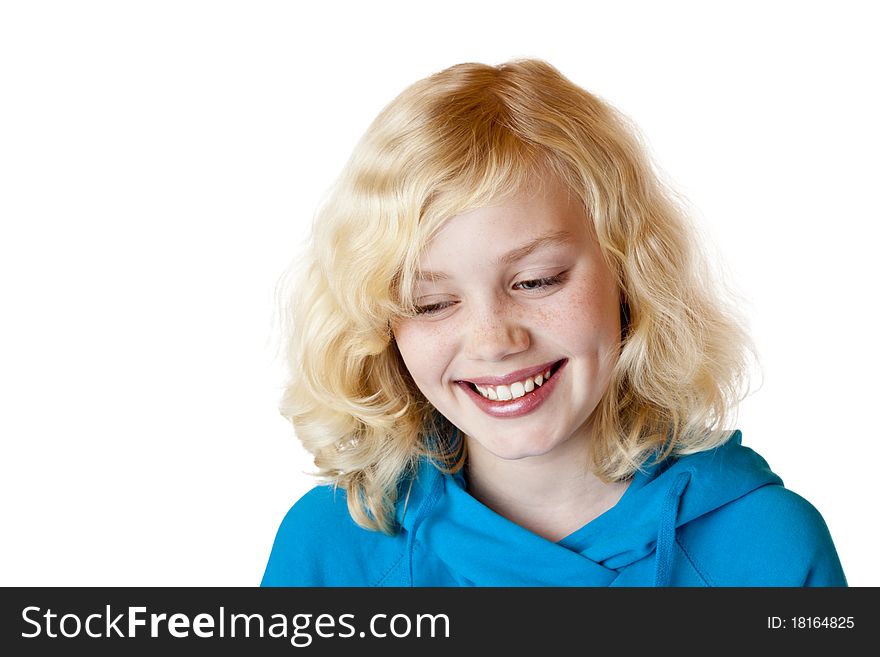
509 362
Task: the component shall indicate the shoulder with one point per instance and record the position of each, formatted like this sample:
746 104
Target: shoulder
771 537
322 505
318 544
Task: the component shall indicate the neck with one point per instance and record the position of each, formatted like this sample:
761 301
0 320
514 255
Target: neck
552 494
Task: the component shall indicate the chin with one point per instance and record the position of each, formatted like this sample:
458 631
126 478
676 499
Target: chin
514 450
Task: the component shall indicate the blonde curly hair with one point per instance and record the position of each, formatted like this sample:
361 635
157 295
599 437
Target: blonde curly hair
463 138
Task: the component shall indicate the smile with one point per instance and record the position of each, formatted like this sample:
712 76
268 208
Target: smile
516 389
515 398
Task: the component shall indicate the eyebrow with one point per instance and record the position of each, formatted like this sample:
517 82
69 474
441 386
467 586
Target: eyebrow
548 239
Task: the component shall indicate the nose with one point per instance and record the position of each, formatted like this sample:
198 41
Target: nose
494 333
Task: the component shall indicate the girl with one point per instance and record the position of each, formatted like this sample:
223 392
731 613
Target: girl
511 368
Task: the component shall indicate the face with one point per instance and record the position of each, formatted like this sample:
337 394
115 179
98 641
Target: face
509 293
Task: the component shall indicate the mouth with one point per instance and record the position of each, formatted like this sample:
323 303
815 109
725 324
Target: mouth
516 389
517 397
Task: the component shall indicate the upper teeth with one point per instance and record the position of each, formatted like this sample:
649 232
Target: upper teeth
514 390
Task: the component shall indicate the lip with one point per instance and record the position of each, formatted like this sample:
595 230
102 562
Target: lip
524 405
513 377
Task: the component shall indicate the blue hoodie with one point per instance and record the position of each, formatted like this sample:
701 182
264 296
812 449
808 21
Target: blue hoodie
715 518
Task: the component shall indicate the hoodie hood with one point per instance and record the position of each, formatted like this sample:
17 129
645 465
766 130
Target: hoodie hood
448 530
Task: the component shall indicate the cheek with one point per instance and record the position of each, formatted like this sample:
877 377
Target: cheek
424 348
587 318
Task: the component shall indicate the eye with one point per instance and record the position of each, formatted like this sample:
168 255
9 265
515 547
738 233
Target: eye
540 283
432 308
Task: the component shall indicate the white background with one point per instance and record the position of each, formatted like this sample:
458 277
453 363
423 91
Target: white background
160 163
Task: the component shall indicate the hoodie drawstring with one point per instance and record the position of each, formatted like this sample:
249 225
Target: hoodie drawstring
666 533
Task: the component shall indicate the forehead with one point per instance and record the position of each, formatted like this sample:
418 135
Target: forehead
510 229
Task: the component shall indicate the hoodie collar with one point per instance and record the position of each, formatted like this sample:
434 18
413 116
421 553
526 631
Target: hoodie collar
481 547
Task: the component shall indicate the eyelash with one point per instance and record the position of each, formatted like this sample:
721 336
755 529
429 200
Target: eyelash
547 281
